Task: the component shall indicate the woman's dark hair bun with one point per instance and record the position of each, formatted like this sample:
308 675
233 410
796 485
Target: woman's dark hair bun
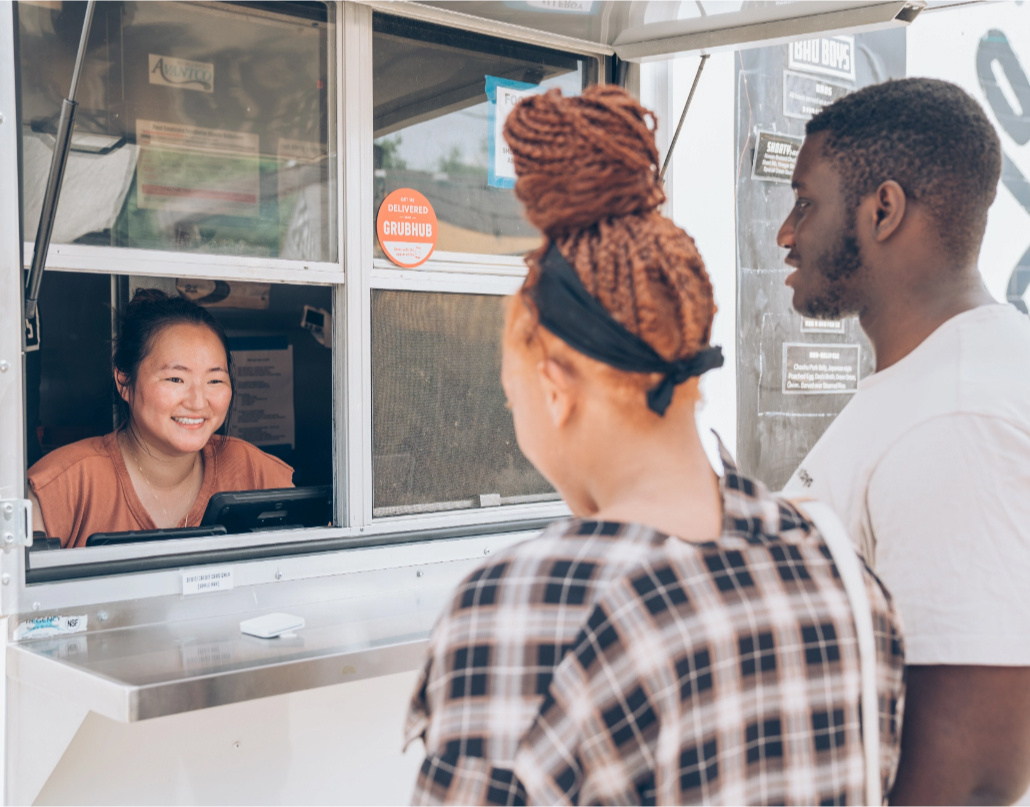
583 159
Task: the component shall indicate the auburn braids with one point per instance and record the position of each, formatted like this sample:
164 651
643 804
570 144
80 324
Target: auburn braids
587 171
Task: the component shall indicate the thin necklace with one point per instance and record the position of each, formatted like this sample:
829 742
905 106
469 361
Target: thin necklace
153 492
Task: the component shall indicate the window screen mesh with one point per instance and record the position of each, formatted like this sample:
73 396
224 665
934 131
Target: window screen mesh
442 438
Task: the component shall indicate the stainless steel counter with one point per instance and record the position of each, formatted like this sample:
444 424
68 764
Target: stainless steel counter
100 715
140 672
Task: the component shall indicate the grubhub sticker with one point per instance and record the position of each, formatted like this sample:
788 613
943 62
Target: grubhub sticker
406 227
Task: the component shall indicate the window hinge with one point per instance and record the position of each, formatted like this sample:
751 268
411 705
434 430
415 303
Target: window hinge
15 523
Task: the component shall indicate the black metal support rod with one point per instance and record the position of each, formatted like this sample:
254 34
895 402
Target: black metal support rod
62 143
683 116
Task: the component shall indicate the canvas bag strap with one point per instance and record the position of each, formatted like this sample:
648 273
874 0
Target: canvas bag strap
850 568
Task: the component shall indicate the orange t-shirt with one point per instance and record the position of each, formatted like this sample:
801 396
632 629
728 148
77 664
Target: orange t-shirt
84 488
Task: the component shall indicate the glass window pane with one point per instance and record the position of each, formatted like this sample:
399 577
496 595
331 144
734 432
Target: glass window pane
442 438
437 122
199 128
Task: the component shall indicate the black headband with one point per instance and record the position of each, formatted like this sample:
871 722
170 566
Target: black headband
568 310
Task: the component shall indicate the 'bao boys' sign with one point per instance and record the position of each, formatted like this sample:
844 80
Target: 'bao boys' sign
831 56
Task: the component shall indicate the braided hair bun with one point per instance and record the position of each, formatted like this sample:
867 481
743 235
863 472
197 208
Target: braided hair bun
587 174
580 160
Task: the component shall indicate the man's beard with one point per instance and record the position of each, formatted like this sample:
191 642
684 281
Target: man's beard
836 298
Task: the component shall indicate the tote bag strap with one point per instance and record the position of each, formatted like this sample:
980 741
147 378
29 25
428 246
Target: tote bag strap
850 568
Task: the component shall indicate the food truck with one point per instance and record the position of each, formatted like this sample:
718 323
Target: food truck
329 180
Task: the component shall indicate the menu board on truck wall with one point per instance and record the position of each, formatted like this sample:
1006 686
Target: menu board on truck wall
785 398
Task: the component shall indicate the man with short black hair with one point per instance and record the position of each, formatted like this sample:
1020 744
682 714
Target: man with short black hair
929 464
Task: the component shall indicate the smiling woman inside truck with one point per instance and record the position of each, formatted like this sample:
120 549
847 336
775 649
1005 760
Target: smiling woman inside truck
173 379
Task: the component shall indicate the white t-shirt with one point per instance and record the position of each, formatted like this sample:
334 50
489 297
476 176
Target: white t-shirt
929 468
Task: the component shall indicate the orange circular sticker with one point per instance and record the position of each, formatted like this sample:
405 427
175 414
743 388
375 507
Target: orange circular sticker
406 227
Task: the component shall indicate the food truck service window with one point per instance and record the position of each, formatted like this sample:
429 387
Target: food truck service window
202 164
208 161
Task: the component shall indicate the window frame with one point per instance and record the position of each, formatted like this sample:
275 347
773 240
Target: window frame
48 580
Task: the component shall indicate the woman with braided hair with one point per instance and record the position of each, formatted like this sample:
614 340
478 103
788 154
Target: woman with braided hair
684 637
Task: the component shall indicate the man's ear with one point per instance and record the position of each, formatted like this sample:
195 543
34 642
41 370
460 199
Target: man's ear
888 207
559 388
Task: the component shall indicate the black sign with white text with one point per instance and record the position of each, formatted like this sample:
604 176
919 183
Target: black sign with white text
820 369
775 155
822 325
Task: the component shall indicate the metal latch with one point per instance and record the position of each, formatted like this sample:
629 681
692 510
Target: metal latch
15 523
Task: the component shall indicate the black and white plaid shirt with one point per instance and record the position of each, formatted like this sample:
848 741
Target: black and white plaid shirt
607 663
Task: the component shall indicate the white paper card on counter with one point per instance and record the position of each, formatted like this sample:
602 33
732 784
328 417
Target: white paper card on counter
271 625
